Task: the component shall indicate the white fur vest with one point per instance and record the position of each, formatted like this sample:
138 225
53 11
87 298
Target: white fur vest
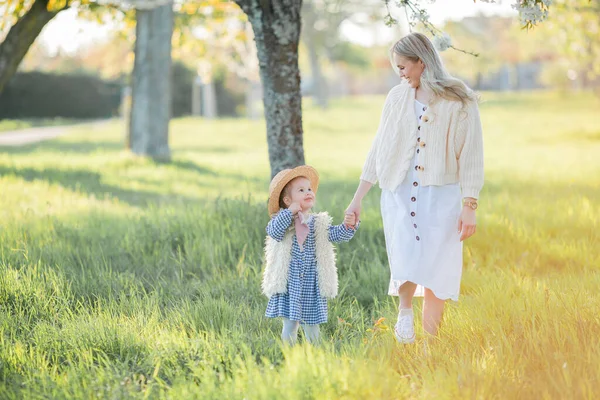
278 256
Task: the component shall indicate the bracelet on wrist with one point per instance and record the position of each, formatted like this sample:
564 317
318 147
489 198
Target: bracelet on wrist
472 204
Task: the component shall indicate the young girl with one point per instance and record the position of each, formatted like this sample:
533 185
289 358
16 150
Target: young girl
300 271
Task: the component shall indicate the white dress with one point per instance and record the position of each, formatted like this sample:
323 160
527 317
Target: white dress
421 233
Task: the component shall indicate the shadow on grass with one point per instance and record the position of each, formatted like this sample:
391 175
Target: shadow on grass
61 146
203 149
80 144
91 183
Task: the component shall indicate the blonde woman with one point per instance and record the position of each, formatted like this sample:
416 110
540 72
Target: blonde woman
428 158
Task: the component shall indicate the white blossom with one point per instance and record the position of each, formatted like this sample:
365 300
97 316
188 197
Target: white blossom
421 16
442 41
532 11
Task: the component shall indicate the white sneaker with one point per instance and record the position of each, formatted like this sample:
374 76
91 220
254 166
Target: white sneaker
404 328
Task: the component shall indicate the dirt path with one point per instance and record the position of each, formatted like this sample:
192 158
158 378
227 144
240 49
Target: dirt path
21 137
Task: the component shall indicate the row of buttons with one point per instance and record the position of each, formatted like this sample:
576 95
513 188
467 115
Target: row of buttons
413 199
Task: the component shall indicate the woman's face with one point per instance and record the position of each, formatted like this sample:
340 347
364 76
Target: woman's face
409 70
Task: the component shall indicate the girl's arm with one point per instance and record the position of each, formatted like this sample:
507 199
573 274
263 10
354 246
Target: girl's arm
341 233
279 224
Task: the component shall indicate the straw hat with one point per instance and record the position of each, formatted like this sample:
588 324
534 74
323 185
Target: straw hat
284 177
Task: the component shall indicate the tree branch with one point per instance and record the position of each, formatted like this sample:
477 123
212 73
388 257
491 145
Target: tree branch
20 37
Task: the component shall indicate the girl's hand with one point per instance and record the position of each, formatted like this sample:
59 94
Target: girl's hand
350 220
354 208
294 208
467 223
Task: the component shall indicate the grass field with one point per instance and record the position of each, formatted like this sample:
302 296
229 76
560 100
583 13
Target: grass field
124 278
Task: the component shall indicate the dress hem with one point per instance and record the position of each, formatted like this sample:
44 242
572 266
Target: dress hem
396 283
302 322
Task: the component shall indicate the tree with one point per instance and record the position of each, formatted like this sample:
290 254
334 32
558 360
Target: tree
31 17
321 23
21 22
312 37
237 52
150 111
276 26
220 36
574 32
151 82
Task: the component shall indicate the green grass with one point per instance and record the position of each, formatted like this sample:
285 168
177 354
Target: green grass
125 278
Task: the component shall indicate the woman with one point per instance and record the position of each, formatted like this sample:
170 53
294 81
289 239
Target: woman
427 155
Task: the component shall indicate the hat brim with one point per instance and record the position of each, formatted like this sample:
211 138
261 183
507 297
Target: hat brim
302 171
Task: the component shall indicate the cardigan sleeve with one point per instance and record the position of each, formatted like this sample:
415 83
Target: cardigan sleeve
369 172
469 151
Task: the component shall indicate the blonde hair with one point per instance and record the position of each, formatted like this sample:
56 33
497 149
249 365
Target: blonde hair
416 46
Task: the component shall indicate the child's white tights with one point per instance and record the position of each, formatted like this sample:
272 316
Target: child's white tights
290 332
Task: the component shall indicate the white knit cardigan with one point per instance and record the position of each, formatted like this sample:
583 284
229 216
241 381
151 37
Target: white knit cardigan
451 143
278 256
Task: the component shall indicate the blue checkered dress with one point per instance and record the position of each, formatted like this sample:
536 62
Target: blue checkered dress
303 301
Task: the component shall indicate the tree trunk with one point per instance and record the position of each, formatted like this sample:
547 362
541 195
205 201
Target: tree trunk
197 97
151 89
276 26
319 84
309 35
20 37
209 100
252 97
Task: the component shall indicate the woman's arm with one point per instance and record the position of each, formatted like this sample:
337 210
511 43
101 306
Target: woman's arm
470 167
356 204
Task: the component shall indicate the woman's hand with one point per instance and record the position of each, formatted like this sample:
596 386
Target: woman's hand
467 223
354 208
361 191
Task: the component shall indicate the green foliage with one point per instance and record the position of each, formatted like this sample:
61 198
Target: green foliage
574 31
43 95
181 89
351 54
229 98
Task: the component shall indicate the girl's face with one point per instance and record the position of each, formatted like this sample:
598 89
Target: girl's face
409 70
300 191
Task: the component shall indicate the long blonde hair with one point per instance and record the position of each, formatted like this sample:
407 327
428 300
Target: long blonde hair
416 46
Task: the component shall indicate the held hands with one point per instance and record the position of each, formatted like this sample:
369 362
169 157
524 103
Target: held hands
354 208
467 223
350 220
352 214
